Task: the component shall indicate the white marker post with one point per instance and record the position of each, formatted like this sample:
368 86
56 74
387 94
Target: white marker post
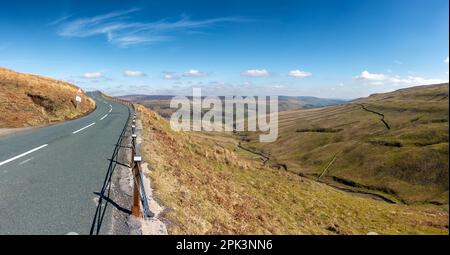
135 210
78 100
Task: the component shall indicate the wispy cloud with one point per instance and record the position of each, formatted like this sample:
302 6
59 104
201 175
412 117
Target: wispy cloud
119 28
58 21
446 60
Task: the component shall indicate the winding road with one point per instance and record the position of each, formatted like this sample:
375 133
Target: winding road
50 177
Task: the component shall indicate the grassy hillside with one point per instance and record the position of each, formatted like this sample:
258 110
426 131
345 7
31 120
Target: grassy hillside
394 144
30 100
209 185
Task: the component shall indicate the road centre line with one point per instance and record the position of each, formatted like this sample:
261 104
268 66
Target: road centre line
104 117
74 132
23 154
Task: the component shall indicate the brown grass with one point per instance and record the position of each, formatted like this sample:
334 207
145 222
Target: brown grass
211 186
30 100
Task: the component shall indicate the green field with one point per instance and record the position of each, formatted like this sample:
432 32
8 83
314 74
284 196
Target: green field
394 145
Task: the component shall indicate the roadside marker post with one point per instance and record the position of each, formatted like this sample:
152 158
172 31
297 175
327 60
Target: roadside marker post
133 148
133 140
78 101
135 210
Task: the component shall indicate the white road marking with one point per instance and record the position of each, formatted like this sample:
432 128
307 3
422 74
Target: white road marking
23 154
104 117
74 132
25 161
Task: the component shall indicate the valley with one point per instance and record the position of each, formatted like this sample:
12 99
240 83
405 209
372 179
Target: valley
333 170
393 145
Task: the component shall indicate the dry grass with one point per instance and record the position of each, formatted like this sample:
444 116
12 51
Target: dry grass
30 100
211 186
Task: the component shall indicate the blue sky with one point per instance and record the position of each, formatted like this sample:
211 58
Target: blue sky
326 48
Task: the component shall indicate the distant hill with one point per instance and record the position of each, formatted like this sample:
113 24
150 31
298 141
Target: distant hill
161 103
30 100
305 102
137 98
394 145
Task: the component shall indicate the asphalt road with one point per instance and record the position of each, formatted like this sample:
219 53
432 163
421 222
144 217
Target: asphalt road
49 176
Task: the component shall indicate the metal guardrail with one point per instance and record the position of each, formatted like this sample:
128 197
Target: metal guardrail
139 193
139 189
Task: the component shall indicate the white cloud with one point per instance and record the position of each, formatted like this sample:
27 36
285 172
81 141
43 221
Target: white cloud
168 77
190 73
120 30
380 79
365 75
130 73
171 76
299 73
194 73
446 60
255 73
93 75
416 80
